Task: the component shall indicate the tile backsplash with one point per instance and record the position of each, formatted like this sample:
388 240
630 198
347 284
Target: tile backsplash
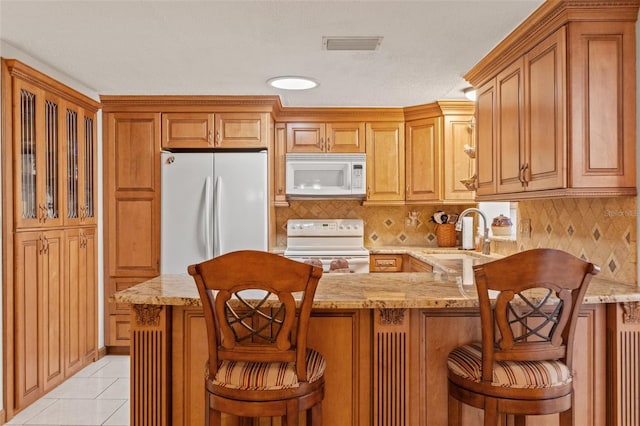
383 225
602 230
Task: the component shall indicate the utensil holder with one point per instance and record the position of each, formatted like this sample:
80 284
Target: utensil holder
446 234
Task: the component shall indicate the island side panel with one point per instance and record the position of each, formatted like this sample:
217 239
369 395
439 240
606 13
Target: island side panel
343 336
150 360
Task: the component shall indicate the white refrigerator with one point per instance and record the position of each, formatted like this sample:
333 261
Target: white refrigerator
212 203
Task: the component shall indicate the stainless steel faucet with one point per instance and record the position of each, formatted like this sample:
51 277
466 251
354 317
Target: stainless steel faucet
486 242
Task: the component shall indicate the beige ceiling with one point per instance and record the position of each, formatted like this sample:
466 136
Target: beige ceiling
233 47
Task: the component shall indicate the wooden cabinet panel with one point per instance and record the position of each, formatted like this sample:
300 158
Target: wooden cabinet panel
385 162
132 194
37 147
345 137
326 137
457 165
305 137
37 315
241 130
134 241
510 131
80 299
187 130
80 165
603 104
385 263
342 336
486 127
545 135
423 141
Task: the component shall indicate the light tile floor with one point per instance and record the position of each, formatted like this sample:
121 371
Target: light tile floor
96 395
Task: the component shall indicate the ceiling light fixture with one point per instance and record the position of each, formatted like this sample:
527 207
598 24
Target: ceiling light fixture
292 82
470 93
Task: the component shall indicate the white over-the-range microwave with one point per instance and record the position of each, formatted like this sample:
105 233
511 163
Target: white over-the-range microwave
326 175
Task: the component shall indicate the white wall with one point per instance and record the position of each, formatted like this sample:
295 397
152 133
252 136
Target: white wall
10 52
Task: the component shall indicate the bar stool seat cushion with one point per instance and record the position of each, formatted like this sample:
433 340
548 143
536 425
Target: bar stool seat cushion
466 362
265 376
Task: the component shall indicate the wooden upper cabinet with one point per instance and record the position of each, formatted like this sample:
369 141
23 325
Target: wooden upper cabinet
187 130
559 107
80 164
214 130
132 194
326 137
458 164
438 137
241 130
531 137
485 127
38 157
423 146
385 163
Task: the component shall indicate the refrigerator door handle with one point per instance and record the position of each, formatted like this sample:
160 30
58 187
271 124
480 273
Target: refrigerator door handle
217 228
207 218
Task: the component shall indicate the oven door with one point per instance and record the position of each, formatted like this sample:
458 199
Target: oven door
357 264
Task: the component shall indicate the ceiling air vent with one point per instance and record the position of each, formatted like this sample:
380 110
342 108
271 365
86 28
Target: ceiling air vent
351 43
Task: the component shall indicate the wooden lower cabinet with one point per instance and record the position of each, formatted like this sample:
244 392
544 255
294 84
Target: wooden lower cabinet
38 315
342 336
55 317
80 299
385 366
436 332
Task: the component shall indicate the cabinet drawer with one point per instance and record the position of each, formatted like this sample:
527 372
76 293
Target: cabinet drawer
386 263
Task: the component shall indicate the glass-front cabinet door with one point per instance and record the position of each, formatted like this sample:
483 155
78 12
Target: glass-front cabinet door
37 156
80 167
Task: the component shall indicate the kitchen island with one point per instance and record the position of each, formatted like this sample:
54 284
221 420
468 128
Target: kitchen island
385 337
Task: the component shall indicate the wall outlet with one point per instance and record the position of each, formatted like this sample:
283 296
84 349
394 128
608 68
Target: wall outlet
525 228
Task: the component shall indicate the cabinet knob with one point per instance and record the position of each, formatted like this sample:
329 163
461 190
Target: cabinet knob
210 137
328 144
218 137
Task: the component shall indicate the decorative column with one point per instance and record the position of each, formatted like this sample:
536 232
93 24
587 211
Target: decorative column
390 367
623 354
150 370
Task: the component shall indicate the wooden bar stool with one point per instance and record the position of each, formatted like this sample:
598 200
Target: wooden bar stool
523 364
259 364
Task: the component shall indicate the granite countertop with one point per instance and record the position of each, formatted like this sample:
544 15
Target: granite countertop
366 291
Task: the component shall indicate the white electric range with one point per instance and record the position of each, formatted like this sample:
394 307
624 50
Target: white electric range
328 240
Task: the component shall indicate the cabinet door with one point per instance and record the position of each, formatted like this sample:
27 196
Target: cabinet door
80 175
80 298
305 137
422 159
187 130
457 165
132 194
510 130
241 130
545 135
38 315
385 162
485 138
345 137
37 157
